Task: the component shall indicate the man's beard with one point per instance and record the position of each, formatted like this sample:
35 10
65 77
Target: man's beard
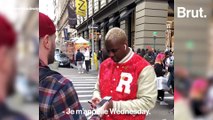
51 55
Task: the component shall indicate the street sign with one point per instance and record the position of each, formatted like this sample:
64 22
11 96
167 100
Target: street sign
81 7
155 33
190 45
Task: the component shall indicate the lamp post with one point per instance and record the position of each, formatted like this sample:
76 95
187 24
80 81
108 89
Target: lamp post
154 37
93 47
190 47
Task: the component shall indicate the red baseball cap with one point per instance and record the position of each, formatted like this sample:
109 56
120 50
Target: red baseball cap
7 33
46 26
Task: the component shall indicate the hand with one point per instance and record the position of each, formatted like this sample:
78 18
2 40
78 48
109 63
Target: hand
102 110
95 101
105 108
99 112
109 105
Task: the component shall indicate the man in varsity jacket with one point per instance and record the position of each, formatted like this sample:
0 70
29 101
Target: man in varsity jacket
127 78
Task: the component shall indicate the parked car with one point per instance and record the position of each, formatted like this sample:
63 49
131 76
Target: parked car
63 60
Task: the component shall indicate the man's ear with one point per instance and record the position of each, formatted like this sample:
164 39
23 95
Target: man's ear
126 43
46 42
125 46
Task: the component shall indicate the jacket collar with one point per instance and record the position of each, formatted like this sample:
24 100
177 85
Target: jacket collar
127 57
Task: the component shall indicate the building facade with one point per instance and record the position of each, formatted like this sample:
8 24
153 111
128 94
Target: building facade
61 22
138 18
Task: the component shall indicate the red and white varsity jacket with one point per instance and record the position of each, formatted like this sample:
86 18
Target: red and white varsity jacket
124 82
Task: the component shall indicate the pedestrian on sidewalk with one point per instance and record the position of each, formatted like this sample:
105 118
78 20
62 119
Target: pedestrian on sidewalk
161 80
169 63
150 56
7 69
138 51
126 77
143 52
87 59
100 57
80 60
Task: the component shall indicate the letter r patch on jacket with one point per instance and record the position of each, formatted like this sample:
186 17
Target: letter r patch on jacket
126 79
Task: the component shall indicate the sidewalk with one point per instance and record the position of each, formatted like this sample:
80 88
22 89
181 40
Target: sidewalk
91 72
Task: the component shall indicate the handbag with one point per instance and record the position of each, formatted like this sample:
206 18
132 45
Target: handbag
162 83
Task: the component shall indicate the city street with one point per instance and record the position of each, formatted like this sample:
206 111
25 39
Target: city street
84 84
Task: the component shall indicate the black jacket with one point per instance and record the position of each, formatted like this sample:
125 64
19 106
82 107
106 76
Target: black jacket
79 56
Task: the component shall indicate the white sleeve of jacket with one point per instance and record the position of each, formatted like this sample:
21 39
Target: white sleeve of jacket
146 94
96 92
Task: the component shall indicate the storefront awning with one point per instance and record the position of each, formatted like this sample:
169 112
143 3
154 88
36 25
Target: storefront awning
112 20
124 16
103 24
84 29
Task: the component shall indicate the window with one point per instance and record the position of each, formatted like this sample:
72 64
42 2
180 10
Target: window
90 6
103 3
82 20
109 1
78 20
96 5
